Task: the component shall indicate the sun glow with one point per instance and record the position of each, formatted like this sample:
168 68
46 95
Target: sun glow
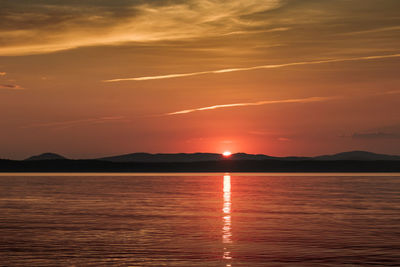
227 154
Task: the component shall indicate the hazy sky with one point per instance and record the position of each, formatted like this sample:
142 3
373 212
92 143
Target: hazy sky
280 77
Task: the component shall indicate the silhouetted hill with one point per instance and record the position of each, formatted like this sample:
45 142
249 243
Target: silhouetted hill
357 155
46 156
244 156
354 161
200 157
179 157
197 157
186 157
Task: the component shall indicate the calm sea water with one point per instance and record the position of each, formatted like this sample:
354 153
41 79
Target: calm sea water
200 220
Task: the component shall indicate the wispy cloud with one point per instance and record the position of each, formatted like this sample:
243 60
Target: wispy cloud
383 29
92 24
261 132
279 29
36 27
11 86
272 66
376 135
74 123
391 92
383 132
268 102
258 103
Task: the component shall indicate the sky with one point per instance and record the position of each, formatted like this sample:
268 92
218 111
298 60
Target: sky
279 77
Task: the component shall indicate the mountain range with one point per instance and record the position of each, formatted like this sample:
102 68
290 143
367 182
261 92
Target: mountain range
203 157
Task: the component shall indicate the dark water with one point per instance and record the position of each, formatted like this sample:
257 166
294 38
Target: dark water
190 220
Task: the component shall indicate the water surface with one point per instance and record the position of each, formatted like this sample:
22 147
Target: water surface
200 220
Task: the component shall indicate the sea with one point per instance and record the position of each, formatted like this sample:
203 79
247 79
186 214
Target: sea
206 219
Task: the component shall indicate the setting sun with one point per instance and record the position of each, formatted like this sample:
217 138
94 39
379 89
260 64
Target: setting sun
227 154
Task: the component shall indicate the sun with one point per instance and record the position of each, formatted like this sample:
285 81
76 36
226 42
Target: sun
227 154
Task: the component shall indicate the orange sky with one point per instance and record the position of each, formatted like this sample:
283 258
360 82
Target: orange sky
278 77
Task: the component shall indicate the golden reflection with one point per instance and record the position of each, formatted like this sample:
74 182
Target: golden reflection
227 227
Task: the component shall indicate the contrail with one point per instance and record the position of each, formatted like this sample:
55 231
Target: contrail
275 66
266 102
258 103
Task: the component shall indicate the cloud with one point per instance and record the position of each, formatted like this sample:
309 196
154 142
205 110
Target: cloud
11 86
279 29
261 132
258 103
36 27
272 66
376 30
74 123
376 135
391 92
268 102
382 132
45 26
3 73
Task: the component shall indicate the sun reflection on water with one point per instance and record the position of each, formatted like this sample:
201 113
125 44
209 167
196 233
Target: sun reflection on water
227 226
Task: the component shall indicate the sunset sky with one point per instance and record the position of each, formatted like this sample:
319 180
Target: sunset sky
279 77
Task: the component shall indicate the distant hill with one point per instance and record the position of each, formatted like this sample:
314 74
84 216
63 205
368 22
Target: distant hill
357 155
182 157
179 157
46 156
244 156
353 161
197 157
203 157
